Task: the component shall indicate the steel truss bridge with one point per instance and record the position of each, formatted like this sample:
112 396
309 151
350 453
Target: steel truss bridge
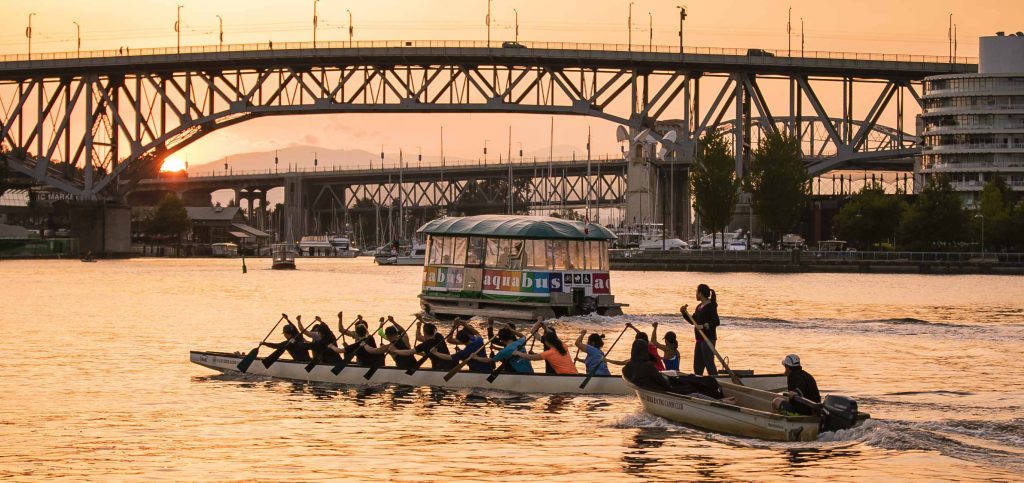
95 124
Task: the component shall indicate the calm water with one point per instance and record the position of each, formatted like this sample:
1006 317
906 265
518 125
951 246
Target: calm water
96 382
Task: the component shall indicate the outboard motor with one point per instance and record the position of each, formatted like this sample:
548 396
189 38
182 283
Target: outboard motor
838 412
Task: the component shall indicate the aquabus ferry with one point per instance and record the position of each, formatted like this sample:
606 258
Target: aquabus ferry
516 267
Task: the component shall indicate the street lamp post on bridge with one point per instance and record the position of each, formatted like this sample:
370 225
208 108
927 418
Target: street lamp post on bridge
682 16
349 28
28 33
314 22
629 28
177 27
78 38
220 37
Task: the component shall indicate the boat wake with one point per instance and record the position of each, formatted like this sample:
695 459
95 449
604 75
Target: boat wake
900 326
992 443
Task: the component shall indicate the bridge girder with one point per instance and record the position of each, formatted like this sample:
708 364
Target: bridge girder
97 133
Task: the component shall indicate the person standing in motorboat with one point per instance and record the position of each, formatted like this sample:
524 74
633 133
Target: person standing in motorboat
801 387
670 349
705 318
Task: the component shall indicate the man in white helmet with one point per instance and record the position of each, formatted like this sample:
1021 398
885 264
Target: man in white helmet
800 385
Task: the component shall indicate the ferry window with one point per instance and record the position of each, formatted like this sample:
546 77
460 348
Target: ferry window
434 248
459 251
497 253
594 258
576 255
475 257
558 252
604 256
446 254
517 254
536 254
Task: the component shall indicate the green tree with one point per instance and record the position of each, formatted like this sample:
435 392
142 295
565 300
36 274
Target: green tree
870 217
936 219
995 214
713 182
169 219
778 183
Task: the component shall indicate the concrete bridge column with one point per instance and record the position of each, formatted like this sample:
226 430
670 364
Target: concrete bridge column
641 179
296 216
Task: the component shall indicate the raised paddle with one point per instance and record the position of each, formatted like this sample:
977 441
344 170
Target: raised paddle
243 365
732 375
590 375
501 367
416 367
373 370
274 356
348 357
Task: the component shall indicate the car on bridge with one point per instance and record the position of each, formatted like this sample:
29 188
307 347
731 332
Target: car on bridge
759 53
512 45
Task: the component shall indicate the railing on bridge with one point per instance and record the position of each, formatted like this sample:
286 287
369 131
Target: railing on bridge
375 167
457 44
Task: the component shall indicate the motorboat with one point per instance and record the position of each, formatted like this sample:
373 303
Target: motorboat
747 411
283 256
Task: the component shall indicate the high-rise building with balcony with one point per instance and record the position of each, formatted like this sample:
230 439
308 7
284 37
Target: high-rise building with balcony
973 124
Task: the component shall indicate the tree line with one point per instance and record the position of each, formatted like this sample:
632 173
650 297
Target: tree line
780 190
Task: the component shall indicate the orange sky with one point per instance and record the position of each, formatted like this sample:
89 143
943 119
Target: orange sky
900 26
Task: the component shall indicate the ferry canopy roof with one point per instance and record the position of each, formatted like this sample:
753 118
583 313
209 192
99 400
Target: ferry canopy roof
511 226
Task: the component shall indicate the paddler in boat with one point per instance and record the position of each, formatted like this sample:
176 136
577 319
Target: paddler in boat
294 343
473 348
510 341
556 354
397 341
367 354
428 339
595 361
640 369
652 350
706 317
320 341
670 349
800 385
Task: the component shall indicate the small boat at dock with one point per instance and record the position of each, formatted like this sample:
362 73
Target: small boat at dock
511 382
748 413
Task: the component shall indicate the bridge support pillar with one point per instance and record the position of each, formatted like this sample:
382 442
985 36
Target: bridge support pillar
674 188
296 214
641 180
102 228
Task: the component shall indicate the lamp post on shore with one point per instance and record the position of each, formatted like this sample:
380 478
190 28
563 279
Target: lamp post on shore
982 216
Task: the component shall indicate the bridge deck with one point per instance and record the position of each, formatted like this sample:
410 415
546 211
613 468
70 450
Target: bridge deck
556 54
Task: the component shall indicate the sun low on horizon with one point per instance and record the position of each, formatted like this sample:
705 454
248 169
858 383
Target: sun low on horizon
172 164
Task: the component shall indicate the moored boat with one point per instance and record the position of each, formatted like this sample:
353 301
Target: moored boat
283 257
524 383
749 414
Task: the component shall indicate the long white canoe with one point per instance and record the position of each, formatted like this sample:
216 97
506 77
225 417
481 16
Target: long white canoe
749 415
523 383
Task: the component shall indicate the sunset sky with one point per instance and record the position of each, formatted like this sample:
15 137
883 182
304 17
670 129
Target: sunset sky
913 27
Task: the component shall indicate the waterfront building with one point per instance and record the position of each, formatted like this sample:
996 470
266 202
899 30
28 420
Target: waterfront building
973 124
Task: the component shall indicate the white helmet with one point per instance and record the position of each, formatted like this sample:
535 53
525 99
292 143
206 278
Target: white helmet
791 360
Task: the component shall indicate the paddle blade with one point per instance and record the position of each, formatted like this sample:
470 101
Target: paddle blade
273 357
247 361
417 366
369 374
455 370
586 381
313 363
339 367
497 372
